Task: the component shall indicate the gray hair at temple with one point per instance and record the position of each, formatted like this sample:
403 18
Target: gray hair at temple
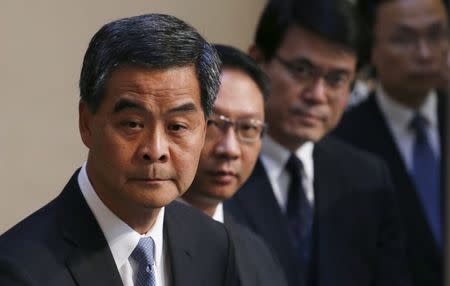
152 41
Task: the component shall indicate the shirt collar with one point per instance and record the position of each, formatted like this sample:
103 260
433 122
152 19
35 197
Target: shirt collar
121 238
218 213
400 116
277 156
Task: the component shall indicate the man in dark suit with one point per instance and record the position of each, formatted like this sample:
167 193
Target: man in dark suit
408 51
232 145
147 85
324 207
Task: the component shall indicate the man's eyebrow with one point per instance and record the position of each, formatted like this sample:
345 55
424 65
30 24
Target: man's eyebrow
402 28
186 107
311 64
439 25
126 104
341 71
410 29
303 61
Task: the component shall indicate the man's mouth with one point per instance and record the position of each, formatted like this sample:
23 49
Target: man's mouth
223 177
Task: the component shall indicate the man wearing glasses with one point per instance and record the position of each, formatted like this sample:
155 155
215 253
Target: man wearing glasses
402 121
324 207
232 145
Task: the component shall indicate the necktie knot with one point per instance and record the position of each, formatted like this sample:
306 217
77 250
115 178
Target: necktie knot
144 251
419 125
294 166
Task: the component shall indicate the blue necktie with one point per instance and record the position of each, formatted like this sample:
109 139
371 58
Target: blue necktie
299 212
426 175
143 256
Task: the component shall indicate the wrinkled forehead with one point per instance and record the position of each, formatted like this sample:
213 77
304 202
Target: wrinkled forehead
153 86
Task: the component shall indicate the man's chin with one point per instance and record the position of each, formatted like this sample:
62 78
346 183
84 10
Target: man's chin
307 135
157 199
222 193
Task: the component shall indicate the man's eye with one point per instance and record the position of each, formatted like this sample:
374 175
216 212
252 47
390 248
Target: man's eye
247 126
336 79
132 124
437 35
249 130
301 70
403 39
177 127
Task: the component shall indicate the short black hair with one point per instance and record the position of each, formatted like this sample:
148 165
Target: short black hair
367 9
153 41
335 20
233 58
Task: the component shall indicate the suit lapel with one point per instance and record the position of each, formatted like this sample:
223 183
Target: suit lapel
244 277
180 248
90 260
266 218
329 188
328 183
442 120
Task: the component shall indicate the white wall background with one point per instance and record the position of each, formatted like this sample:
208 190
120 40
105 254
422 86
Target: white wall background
42 44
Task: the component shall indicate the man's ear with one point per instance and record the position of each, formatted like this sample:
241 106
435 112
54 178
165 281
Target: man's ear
256 54
85 117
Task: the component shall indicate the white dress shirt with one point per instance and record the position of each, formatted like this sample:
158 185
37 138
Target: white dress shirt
122 239
218 213
274 158
398 118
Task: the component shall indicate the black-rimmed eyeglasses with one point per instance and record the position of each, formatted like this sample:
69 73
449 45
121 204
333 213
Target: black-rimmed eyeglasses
304 71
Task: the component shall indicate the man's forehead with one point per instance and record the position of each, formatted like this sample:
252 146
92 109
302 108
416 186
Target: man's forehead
239 104
144 80
301 44
146 87
412 14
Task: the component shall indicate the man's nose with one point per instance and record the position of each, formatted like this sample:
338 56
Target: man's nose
316 90
228 146
424 49
155 146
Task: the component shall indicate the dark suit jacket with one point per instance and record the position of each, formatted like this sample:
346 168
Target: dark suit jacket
62 244
255 262
356 235
364 126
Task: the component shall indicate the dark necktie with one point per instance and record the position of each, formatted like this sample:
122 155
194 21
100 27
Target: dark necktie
426 175
299 212
143 257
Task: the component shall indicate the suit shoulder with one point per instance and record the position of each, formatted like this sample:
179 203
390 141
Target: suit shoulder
355 161
199 234
361 110
357 118
189 213
246 239
41 224
241 235
256 262
36 226
194 218
336 147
